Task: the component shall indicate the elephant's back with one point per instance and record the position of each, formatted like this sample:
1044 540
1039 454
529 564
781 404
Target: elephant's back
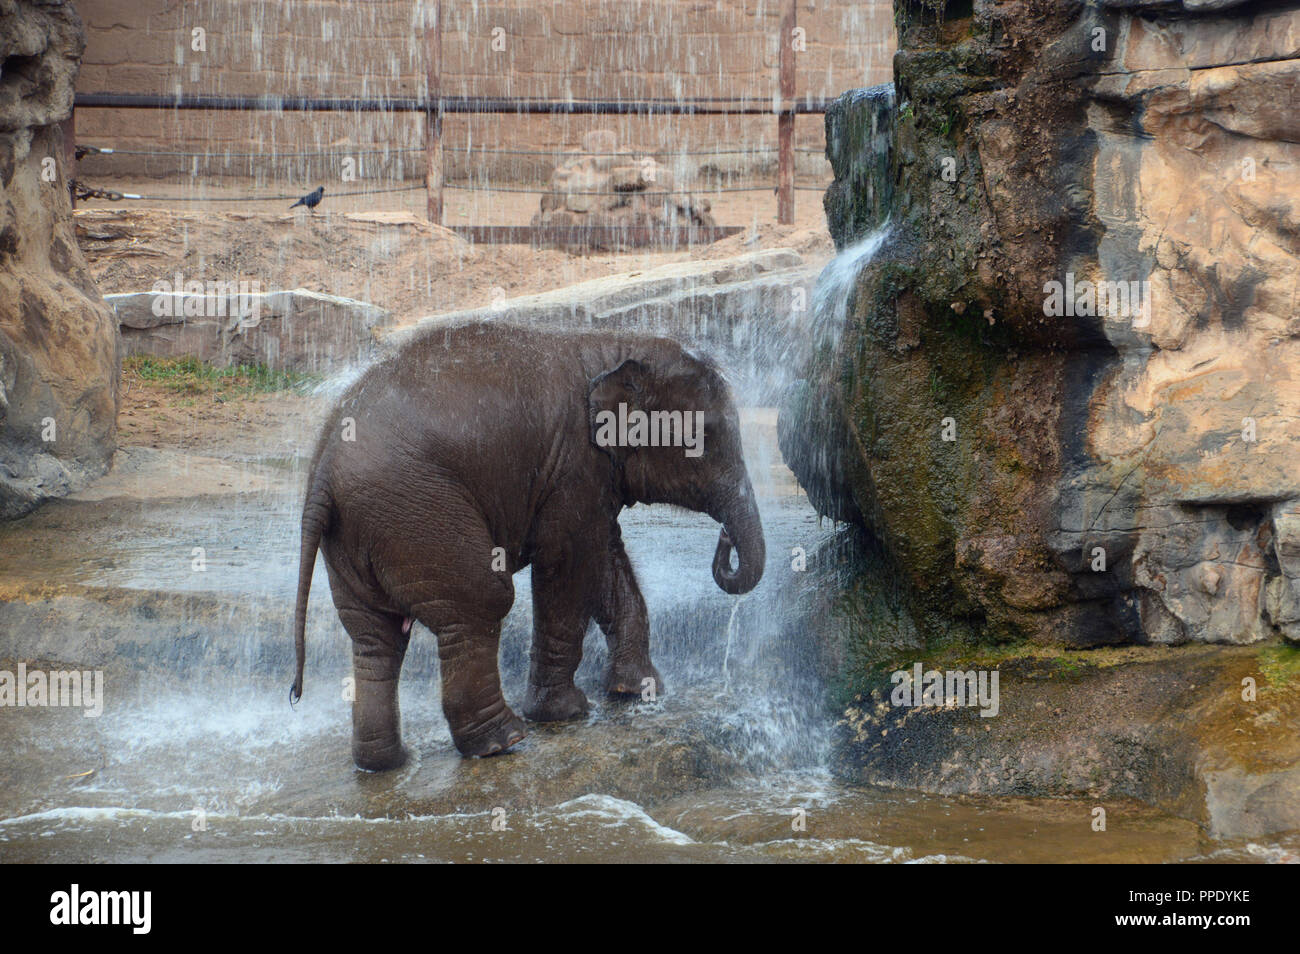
487 353
464 394
488 376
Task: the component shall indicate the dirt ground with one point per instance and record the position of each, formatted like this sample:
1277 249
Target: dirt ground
460 207
234 426
382 253
378 249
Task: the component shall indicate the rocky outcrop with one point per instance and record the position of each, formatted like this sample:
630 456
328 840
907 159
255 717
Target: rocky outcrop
1063 397
298 330
59 360
633 196
859 145
1186 738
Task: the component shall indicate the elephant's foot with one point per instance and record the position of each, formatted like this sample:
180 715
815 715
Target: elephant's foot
493 737
376 726
371 758
633 677
555 703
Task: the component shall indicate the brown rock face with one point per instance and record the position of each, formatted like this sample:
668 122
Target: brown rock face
1092 273
59 361
1198 186
621 191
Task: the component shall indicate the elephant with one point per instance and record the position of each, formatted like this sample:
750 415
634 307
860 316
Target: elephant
474 450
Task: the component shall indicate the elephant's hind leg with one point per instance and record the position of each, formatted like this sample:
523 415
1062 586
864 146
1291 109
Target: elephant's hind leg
378 648
440 568
481 722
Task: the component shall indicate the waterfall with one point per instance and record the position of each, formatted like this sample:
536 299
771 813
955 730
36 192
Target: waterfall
835 285
759 656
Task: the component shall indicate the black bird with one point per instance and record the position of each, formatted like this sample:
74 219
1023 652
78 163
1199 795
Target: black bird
311 199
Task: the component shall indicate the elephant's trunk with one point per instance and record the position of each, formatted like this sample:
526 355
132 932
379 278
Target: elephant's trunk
742 529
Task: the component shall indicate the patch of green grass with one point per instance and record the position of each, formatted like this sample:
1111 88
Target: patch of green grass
190 376
938 386
1280 665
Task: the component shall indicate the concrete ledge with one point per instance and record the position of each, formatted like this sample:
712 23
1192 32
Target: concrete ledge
297 330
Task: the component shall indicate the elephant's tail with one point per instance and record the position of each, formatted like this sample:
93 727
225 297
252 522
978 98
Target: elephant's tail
315 520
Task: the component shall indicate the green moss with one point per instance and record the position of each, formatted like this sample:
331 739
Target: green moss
1280 665
873 670
879 626
938 390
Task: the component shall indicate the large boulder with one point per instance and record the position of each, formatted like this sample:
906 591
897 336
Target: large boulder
227 323
59 351
628 196
1038 459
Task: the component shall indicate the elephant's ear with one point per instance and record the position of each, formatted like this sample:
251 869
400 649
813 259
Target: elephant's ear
624 385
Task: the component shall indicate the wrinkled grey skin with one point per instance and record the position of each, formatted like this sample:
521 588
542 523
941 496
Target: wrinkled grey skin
483 436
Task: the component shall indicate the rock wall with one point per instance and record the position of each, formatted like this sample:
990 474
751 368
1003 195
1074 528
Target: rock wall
59 350
1077 473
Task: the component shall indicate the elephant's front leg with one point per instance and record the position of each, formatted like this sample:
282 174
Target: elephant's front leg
626 625
561 614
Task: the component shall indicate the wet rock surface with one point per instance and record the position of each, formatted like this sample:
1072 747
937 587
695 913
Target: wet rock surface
1168 727
59 352
631 194
296 330
1087 474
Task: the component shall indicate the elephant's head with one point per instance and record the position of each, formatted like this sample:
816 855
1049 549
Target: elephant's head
668 422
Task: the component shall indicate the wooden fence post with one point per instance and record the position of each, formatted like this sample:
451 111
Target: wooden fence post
785 121
433 116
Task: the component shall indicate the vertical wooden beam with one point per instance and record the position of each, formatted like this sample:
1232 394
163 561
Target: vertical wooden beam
785 120
433 116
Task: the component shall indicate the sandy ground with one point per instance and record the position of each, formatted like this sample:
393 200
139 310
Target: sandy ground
378 249
381 249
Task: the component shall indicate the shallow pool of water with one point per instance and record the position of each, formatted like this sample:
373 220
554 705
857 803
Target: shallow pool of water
206 761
